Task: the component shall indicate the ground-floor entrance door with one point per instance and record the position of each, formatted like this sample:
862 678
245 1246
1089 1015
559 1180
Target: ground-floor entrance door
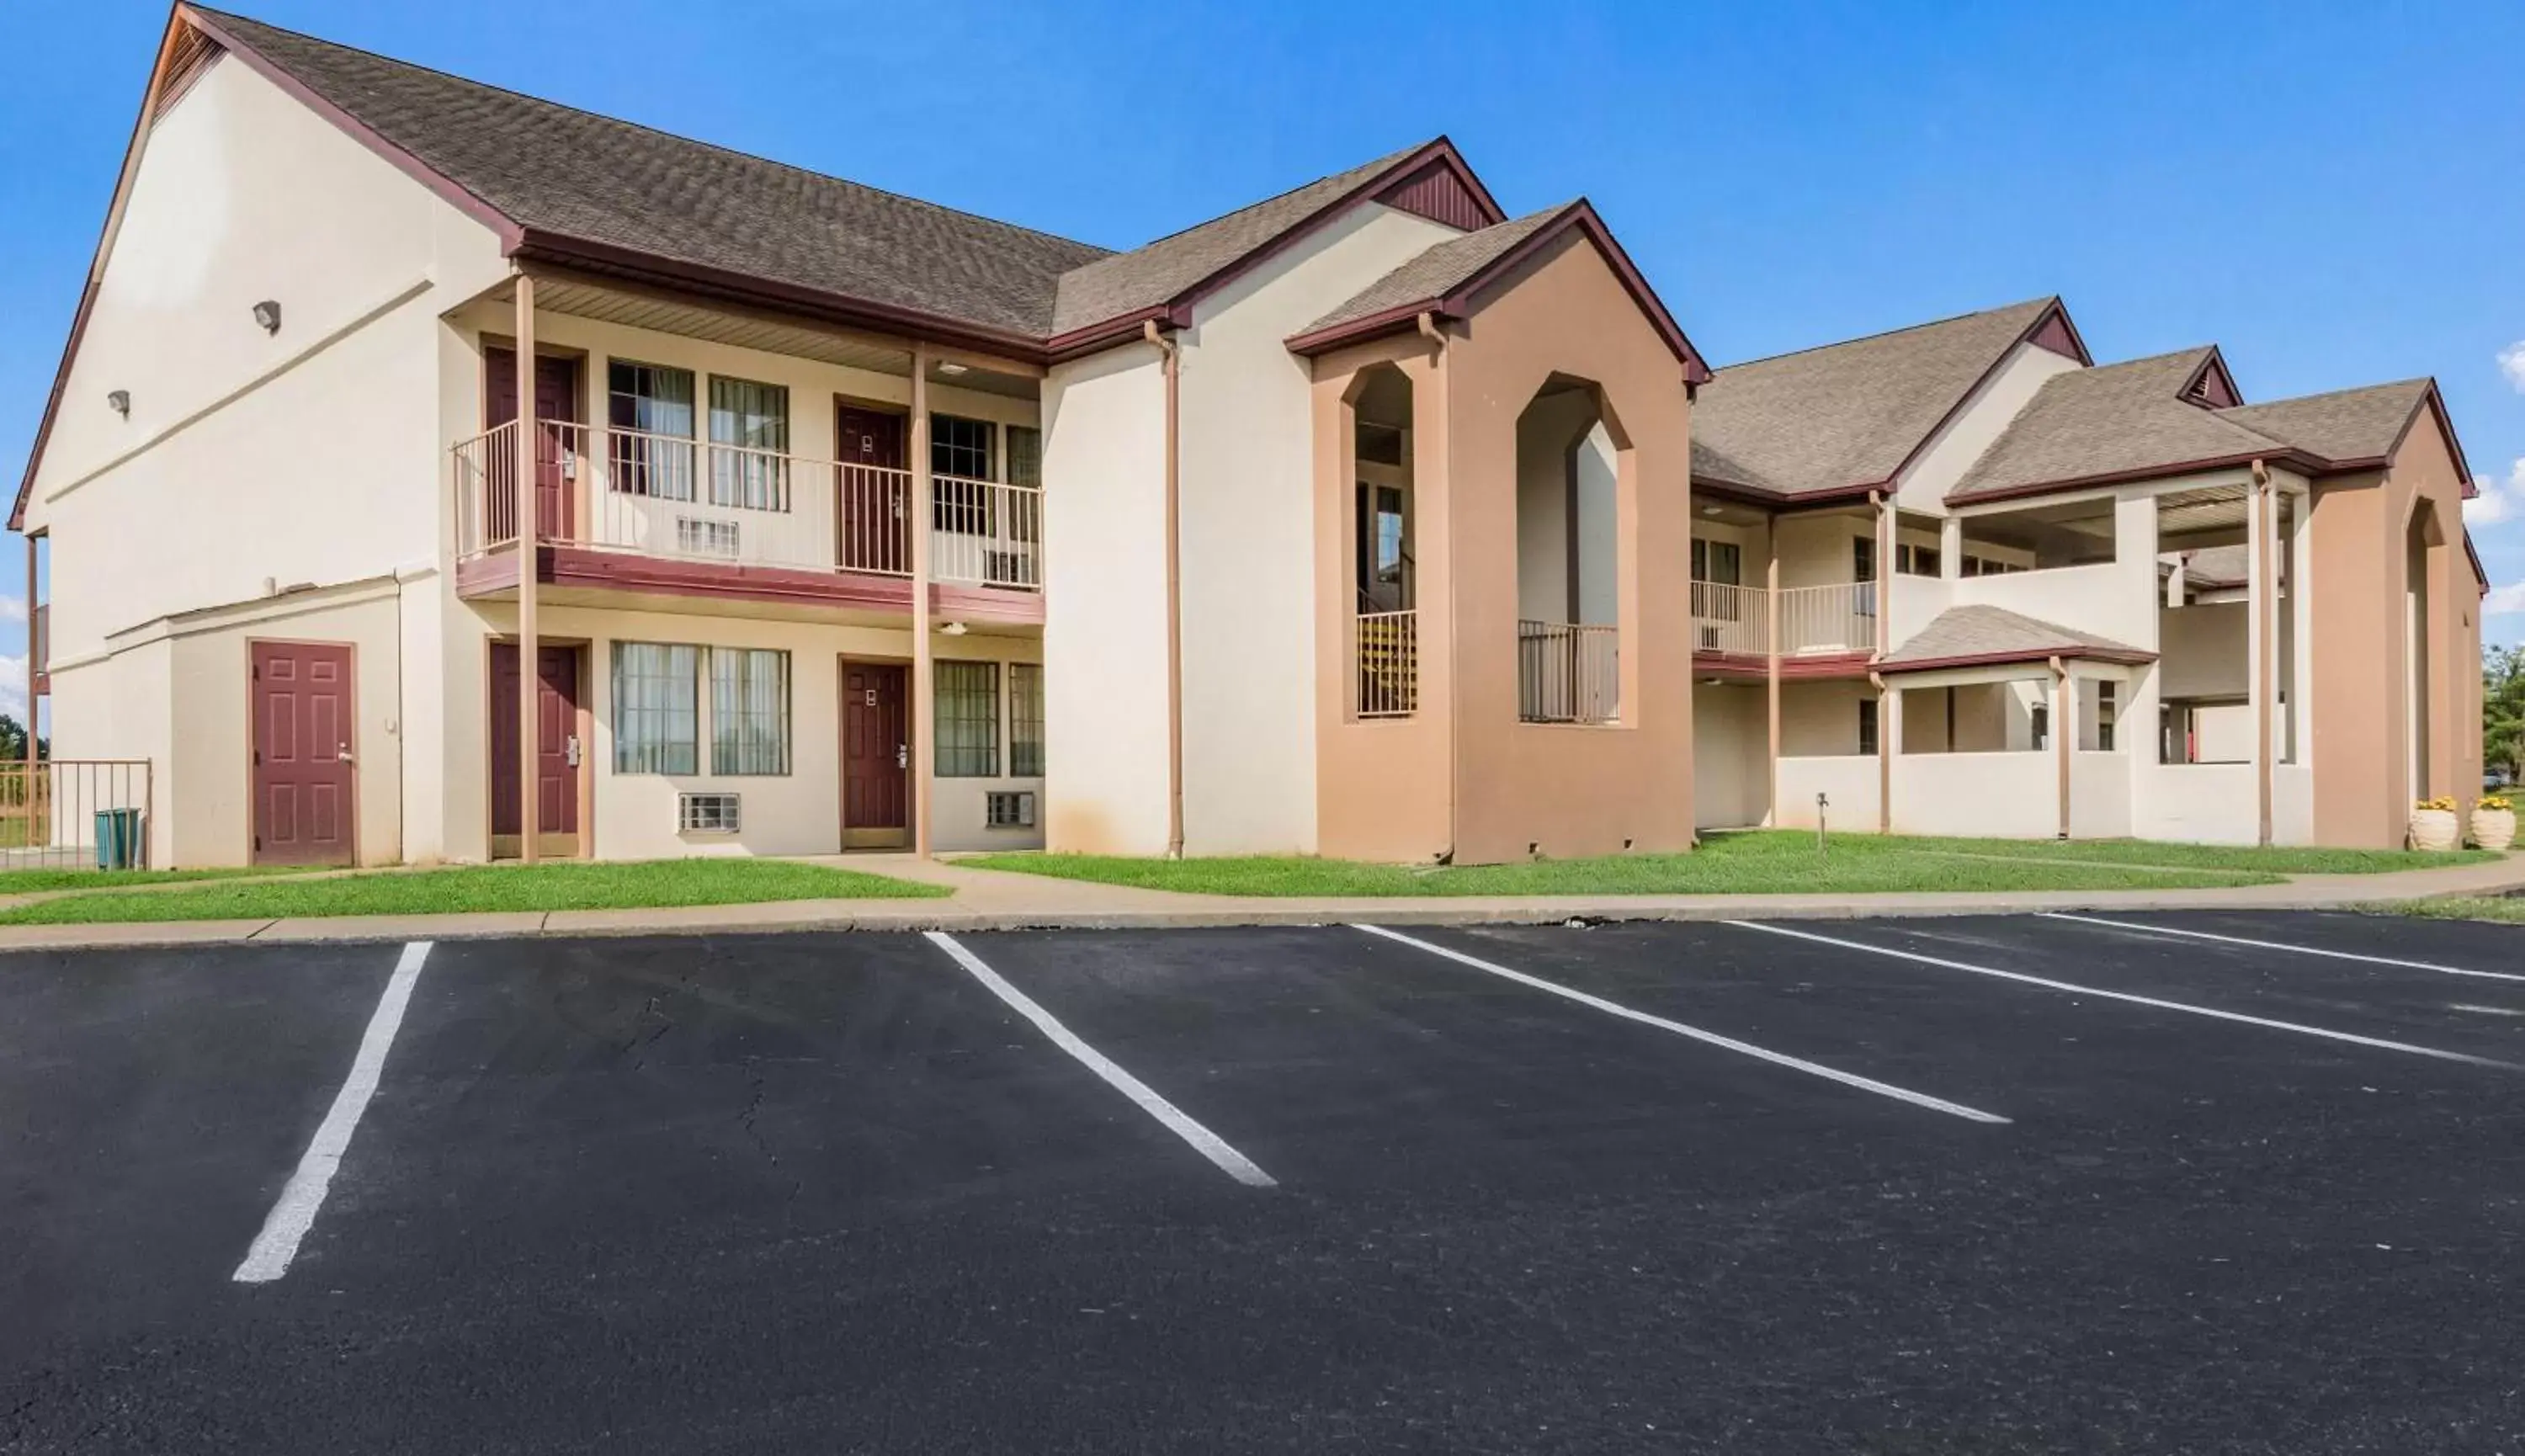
558 752
302 754
877 754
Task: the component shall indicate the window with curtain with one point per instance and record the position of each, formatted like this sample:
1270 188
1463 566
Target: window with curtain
962 448
1722 562
650 408
657 708
749 711
1026 720
1025 455
969 720
749 424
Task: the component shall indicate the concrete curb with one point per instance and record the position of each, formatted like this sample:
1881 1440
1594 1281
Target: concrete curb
1154 910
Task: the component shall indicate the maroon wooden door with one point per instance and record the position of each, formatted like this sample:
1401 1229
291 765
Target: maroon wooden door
876 498
876 747
557 748
556 408
303 711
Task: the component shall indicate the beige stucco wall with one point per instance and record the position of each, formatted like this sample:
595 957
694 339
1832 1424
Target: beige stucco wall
1249 533
1820 718
1984 417
1104 602
251 462
2204 647
1730 755
633 815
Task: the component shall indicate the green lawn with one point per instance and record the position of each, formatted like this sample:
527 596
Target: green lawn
549 886
1753 862
33 880
2274 861
2508 909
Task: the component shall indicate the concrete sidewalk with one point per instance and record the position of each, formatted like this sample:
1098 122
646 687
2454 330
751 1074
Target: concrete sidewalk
997 900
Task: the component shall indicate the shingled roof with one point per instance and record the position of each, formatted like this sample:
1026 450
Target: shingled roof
2113 420
570 176
2347 424
1847 417
1971 636
1432 275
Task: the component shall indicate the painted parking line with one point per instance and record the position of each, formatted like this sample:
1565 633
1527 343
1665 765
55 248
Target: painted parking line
1203 1142
1696 1033
294 1211
2325 1033
2303 950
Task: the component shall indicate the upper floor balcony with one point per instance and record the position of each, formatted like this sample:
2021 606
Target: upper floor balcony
1833 624
683 448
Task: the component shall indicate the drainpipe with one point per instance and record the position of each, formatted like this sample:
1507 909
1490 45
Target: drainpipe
1437 337
530 535
1171 353
2259 537
1884 570
921 738
2060 730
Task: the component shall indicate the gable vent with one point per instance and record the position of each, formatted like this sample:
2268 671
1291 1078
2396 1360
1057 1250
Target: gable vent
190 55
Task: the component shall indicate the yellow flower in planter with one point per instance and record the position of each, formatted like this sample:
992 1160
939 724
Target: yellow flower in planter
2440 805
2495 803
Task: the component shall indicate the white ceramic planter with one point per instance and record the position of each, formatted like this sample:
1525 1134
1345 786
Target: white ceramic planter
2494 829
2434 829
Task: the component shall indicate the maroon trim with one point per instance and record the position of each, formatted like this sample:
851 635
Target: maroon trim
1775 500
564 566
1812 665
1440 192
437 181
2480 573
53 402
2211 385
1458 301
2129 657
2054 332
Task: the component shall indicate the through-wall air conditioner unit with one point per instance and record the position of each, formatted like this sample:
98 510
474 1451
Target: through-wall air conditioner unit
1008 809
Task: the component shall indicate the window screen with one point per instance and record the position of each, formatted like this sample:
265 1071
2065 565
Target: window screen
1026 720
749 711
650 449
749 424
657 708
969 720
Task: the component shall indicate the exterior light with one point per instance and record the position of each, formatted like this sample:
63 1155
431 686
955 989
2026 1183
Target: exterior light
120 401
951 368
952 629
267 314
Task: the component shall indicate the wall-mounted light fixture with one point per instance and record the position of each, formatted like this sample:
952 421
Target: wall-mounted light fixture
950 367
267 314
952 630
120 401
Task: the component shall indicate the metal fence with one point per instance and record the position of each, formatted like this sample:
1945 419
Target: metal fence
1386 647
1567 671
76 813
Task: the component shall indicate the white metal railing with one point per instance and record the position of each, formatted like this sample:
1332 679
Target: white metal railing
1828 620
676 497
987 531
1385 649
1729 619
1567 671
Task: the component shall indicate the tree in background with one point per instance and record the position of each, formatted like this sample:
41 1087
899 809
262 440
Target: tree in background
2503 711
12 741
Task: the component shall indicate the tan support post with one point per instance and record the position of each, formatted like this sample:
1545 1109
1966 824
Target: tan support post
1889 727
1771 663
35 709
1878 502
925 676
2260 526
2061 729
529 540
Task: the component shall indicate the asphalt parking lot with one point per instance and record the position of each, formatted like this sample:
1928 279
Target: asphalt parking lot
2024 1184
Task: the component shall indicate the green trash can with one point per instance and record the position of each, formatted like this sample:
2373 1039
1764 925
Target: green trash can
118 839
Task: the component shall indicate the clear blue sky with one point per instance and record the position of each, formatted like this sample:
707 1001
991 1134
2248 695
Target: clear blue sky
2331 192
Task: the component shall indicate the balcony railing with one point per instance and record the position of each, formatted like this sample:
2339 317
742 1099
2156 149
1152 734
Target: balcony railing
1386 648
1731 620
693 500
1567 671
1828 621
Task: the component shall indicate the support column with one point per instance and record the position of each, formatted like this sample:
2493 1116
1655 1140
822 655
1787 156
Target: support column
2258 614
2065 734
1771 673
1889 735
1883 505
529 542
925 676
1951 548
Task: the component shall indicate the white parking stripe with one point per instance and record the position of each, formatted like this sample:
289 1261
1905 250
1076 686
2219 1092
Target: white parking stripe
1710 1038
2326 1034
294 1213
2303 950
1203 1142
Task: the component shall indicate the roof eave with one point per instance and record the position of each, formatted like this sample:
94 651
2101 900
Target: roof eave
2311 465
2127 657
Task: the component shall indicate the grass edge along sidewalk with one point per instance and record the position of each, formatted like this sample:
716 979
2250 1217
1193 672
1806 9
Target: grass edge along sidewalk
481 888
1750 862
